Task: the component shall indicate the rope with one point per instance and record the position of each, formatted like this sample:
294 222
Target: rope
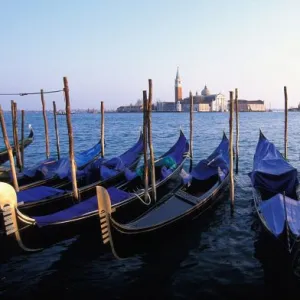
34 93
210 162
144 202
187 155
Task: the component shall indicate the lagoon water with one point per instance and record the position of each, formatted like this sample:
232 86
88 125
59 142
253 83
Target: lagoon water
221 256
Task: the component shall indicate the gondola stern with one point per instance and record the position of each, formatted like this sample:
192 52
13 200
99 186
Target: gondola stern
141 136
31 133
181 132
224 136
261 135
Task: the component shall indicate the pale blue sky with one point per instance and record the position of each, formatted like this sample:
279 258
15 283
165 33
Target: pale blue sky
109 49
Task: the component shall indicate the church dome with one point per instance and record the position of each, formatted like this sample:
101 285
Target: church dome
205 91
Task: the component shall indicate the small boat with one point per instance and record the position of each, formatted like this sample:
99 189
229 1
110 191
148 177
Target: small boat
61 113
35 232
46 199
3 151
276 193
51 172
200 191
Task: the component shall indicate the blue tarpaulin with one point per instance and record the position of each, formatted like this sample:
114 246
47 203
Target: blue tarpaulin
168 162
81 209
208 167
271 171
274 214
37 193
109 168
51 168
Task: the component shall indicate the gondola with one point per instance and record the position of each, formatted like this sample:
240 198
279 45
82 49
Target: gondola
127 202
200 191
44 199
276 195
52 172
3 151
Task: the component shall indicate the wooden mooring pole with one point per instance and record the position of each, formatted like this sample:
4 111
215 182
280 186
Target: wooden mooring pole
145 137
152 164
22 137
9 151
237 131
56 130
102 129
191 130
231 184
45 124
285 122
71 145
15 134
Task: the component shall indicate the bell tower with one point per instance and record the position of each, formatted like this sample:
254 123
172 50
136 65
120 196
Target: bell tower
178 87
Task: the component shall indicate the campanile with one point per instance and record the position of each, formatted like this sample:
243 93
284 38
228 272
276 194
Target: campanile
178 87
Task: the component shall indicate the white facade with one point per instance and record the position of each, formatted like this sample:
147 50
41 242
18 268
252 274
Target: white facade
219 103
178 106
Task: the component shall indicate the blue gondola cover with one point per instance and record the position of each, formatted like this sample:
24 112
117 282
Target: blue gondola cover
271 171
274 214
60 168
208 167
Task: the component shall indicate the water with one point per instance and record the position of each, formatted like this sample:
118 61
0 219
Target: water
222 256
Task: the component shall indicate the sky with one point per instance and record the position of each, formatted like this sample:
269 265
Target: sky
109 49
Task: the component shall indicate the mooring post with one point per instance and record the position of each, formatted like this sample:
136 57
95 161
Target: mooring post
71 145
237 131
102 129
152 165
56 130
12 108
9 151
22 136
15 135
285 122
191 130
45 124
145 135
231 185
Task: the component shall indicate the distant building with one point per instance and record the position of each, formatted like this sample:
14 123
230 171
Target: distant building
165 106
178 87
250 105
295 108
130 108
178 106
206 102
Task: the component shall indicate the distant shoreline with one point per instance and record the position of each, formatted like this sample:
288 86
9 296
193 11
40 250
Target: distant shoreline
140 112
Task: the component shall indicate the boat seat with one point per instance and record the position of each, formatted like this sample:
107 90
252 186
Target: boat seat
38 193
187 197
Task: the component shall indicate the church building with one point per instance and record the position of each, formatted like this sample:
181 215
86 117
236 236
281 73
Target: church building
205 102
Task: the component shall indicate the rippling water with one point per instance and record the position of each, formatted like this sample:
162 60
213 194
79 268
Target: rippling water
220 256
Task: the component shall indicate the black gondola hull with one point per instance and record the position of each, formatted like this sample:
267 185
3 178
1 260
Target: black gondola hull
288 244
138 239
35 237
